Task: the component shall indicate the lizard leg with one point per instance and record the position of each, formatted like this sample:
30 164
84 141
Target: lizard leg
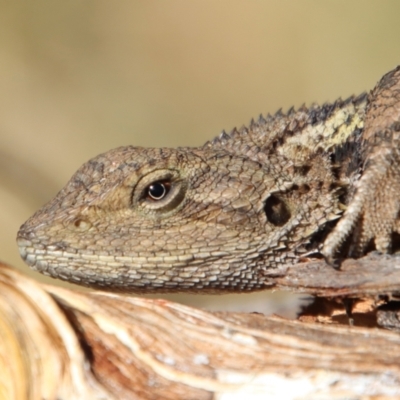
380 211
373 213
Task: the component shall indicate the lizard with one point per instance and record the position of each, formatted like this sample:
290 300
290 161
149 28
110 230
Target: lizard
317 182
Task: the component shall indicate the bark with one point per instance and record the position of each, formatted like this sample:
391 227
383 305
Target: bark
63 344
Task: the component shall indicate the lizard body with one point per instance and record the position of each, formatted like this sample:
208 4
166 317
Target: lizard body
228 215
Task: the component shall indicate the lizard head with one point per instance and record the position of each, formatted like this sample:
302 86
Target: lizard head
136 219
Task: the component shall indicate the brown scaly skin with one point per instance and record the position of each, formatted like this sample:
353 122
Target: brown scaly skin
229 215
372 215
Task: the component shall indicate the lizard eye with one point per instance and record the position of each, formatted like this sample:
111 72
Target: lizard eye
158 190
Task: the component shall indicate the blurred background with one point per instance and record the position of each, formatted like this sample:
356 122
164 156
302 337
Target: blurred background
78 78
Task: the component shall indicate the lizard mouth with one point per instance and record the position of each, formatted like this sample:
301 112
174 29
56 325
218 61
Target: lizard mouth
22 245
29 253
25 248
34 253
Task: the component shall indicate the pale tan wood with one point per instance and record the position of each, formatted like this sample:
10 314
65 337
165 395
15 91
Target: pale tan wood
62 344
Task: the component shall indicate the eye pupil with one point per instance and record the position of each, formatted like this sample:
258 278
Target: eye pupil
157 190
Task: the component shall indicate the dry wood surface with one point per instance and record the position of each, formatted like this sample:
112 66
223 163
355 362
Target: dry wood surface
63 344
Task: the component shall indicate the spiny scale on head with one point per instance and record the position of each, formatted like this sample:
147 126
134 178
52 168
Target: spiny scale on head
261 119
290 123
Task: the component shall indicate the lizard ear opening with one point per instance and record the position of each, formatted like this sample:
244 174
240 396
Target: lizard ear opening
276 210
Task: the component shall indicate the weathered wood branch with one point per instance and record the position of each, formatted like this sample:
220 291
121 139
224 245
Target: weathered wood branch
372 275
63 344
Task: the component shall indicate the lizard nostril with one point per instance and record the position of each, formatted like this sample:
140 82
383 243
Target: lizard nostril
276 211
80 225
